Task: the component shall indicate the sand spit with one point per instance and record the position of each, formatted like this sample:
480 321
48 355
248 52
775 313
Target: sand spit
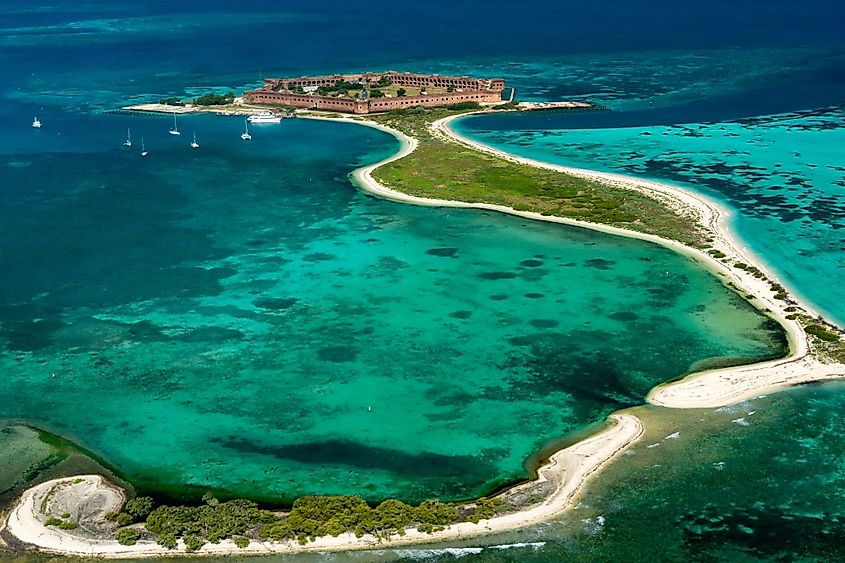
93 496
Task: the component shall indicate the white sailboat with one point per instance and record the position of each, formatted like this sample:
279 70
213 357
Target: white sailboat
175 130
36 123
143 148
245 135
128 141
194 144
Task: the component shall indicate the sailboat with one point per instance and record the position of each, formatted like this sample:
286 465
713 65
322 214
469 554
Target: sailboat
143 148
194 144
128 141
175 130
245 135
36 123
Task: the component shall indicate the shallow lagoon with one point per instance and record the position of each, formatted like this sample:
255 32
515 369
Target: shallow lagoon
240 318
782 175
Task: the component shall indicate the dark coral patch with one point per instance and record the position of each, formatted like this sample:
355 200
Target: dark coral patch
496 275
544 323
461 314
337 354
599 263
624 316
275 303
446 252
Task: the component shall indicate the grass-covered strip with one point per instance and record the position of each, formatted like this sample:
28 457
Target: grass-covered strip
309 518
443 169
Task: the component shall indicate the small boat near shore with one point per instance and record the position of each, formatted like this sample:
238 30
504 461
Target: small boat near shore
194 143
245 135
264 117
128 141
143 148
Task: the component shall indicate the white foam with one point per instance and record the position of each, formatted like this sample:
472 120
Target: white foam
534 545
422 554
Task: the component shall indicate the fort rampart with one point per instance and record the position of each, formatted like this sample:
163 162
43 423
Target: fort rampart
291 91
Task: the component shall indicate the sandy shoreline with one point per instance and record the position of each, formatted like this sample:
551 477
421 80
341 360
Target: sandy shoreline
567 469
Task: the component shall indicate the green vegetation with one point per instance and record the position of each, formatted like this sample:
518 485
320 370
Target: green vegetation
215 99
442 169
210 522
194 543
53 522
716 253
127 536
65 514
341 88
385 81
309 518
400 93
166 540
68 526
124 519
139 507
464 106
822 333
312 517
779 291
376 93
171 102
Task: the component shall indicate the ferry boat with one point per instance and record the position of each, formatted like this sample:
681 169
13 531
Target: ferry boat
36 123
264 117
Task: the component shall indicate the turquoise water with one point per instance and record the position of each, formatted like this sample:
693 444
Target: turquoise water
187 303
240 318
782 176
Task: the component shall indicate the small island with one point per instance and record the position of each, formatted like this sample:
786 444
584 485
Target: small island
435 166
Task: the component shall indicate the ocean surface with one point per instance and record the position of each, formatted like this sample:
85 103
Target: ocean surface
241 318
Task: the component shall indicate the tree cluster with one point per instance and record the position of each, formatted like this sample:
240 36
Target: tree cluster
215 99
342 87
315 516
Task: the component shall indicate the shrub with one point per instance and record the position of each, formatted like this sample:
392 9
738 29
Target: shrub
822 333
241 541
139 508
68 526
166 540
127 536
193 543
53 522
124 519
465 106
215 99
65 514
